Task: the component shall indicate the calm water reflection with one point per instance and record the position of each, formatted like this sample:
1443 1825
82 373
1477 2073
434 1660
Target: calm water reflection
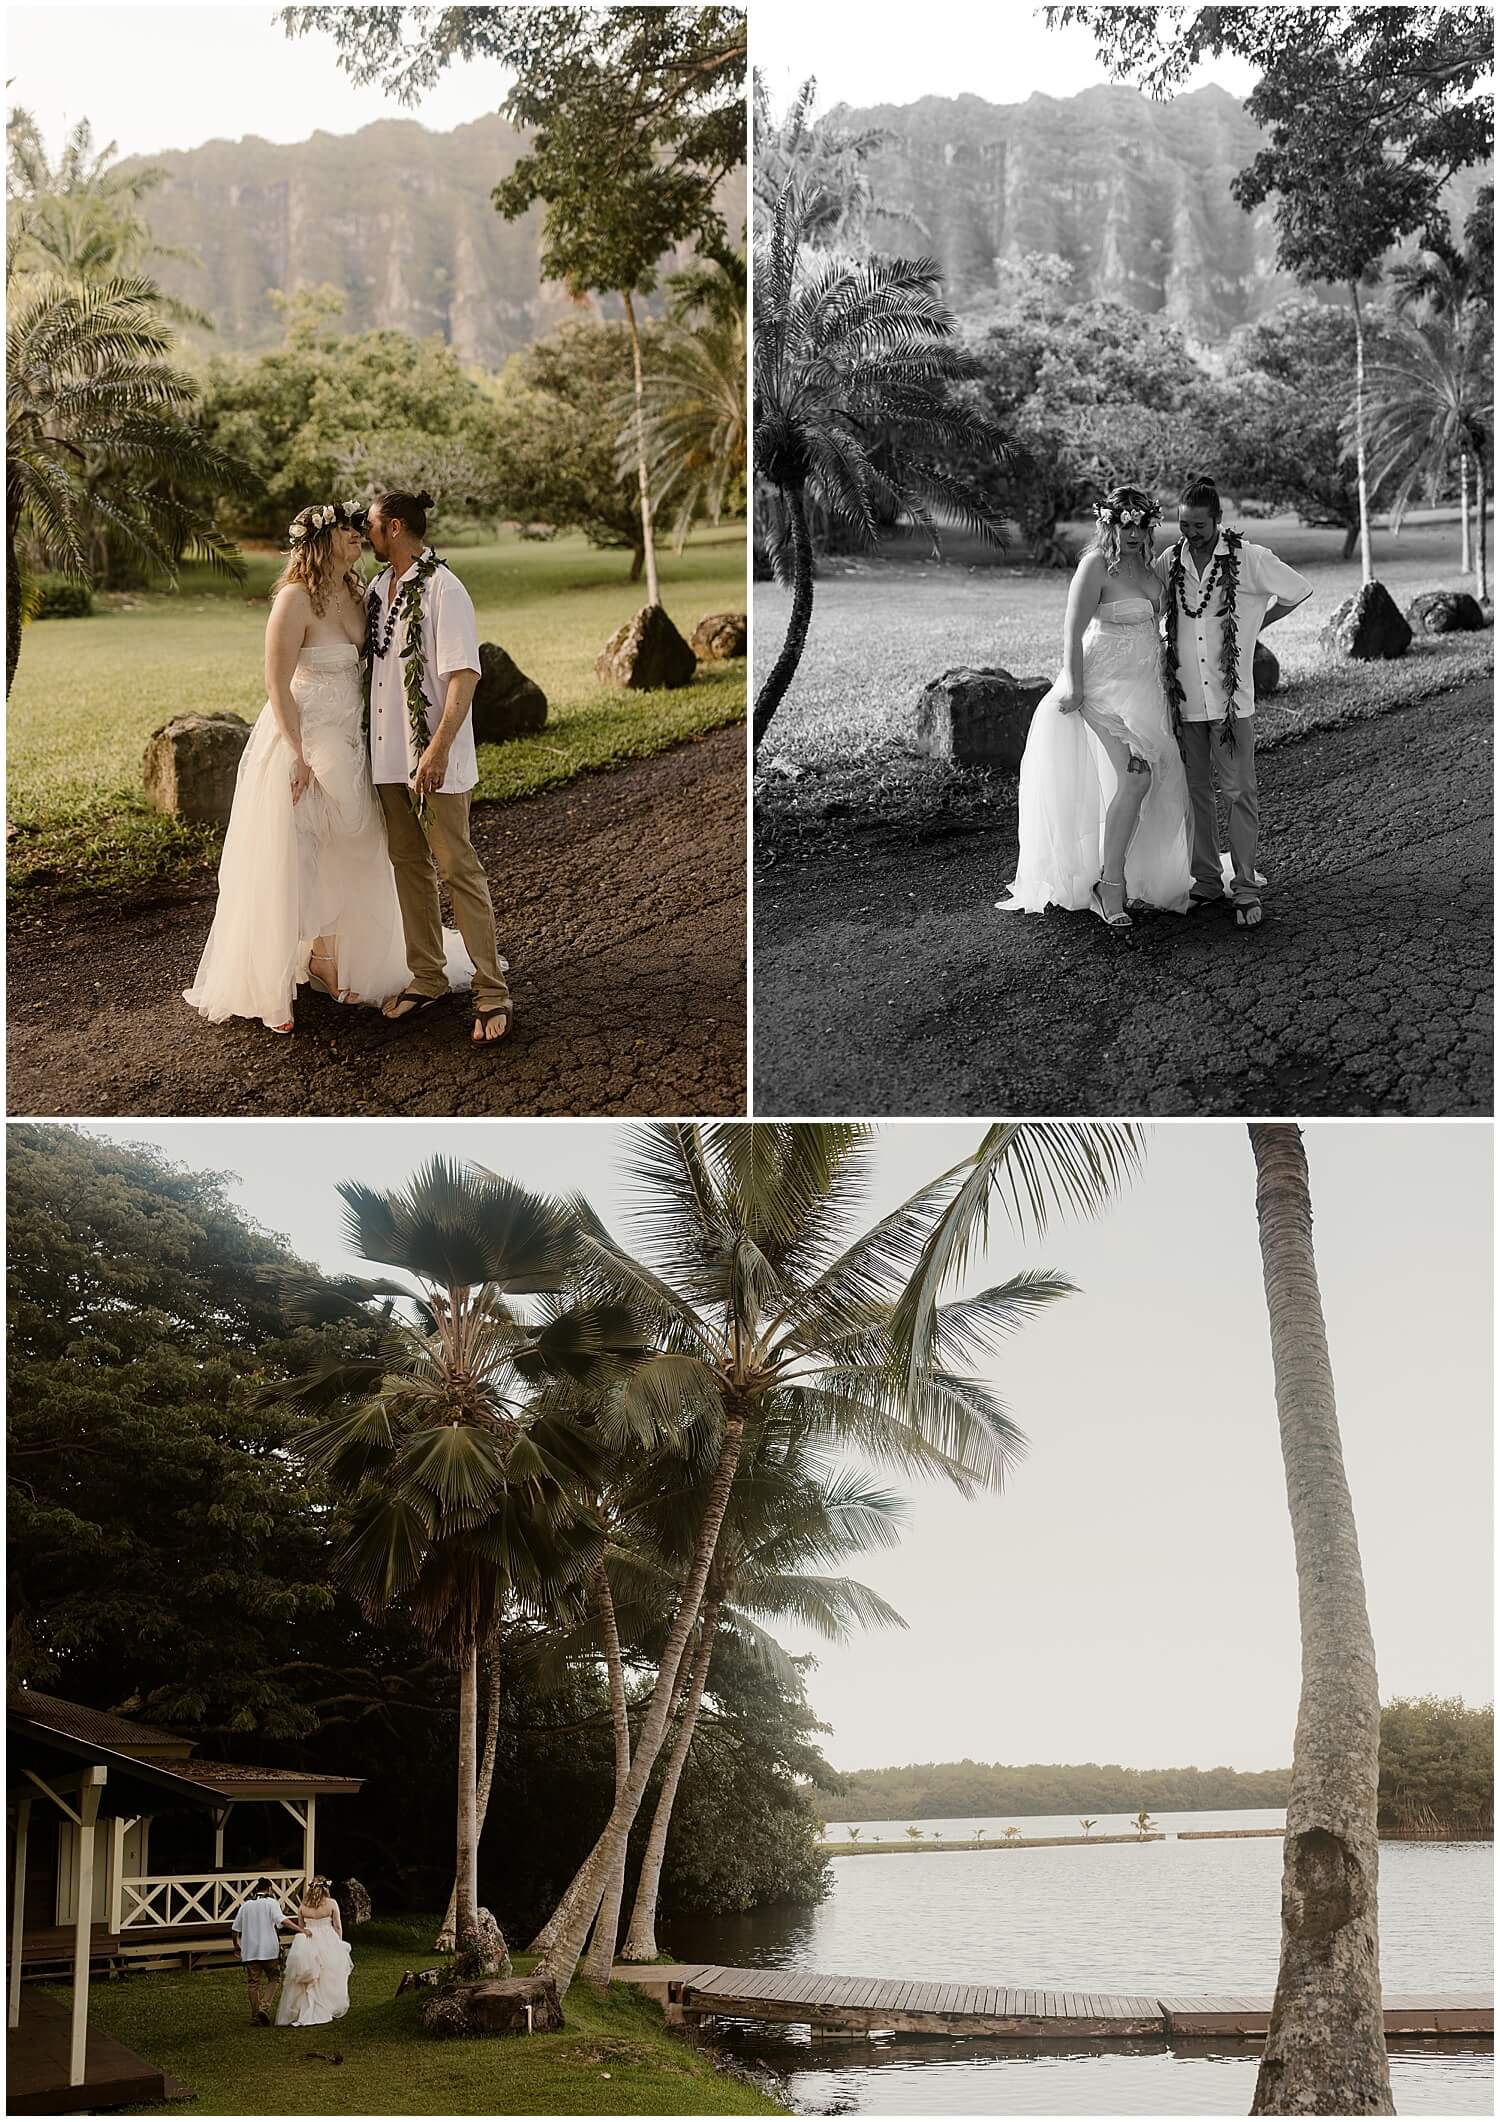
1184 1916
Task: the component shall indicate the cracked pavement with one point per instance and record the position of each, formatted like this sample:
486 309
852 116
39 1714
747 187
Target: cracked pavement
886 983
620 901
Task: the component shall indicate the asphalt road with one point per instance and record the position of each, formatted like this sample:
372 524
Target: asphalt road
620 902
886 983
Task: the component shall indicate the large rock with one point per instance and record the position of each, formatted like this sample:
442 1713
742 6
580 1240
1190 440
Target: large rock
526 2004
191 763
647 654
720 638
1367 626
1266 672
354 1901
977 717
1445 611
506 702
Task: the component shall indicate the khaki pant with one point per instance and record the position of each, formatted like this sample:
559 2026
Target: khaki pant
1212 766
263 1978
419 857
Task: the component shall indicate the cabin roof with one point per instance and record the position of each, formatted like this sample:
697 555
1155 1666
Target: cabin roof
97 1735
125 1734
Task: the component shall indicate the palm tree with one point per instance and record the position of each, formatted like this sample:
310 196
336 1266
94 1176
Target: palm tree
789 1509
1144 1824
854 362
1442 279
828 160
1431 411
1088 1827
458 1448
1325 2049
693 401
853 1833
761 1308
87 386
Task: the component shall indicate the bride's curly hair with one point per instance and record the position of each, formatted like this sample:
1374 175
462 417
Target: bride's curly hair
1108 516
317 1892
311 562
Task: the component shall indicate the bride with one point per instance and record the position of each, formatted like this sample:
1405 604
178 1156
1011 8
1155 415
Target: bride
315 1981
306 888
1104 817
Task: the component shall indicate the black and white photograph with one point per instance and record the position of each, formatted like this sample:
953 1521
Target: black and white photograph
1124 649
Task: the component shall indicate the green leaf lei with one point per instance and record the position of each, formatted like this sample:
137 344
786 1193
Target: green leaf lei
1225 569
379 634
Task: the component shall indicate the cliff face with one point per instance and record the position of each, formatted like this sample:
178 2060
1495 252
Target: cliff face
397 217
1135 195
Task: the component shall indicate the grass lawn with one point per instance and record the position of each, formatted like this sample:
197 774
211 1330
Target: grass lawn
613 2057
882 628
89 692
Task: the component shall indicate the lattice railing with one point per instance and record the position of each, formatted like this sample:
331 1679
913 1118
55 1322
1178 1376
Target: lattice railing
178 1900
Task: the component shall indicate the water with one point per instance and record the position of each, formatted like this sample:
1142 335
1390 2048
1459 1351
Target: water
1192 1917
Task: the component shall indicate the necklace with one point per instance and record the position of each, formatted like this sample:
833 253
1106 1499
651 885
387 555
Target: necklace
408 601
1225 570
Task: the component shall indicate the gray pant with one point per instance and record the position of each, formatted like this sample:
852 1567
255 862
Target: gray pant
1211 766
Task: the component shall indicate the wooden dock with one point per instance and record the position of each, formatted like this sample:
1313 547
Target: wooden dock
859 2004
36 2068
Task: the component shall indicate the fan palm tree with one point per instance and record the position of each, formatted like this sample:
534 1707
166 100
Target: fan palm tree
789 1509
693 402
87 386
854 362
1431 411
1325 2047
1447 279
460 1447
763 1305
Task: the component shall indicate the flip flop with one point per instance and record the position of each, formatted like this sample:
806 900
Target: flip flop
484 1018
421 1004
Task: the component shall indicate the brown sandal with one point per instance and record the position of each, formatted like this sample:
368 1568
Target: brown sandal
484 1018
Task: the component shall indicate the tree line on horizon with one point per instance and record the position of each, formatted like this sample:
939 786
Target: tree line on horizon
958 1790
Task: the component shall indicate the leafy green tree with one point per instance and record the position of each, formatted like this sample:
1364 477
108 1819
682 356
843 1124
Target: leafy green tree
1437 1764
693 398
164 1546
100 430
855 360
636 116
556 425
458 1470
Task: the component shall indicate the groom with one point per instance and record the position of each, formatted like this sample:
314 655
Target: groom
1221 590
424 666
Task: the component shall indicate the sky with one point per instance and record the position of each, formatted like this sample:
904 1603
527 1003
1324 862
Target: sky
1131 1597
233 71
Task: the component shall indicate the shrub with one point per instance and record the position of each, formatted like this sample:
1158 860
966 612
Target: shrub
60 597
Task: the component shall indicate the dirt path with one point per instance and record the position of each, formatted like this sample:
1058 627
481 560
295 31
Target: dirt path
621 906
885 983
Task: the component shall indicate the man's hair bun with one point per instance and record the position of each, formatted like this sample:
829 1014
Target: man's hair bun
424 499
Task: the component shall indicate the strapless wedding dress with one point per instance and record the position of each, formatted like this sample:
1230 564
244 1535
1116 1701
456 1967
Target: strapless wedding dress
289 875
315 1980
1067 781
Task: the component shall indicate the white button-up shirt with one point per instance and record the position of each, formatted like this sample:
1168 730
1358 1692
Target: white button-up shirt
256 1924
450 642
1263 579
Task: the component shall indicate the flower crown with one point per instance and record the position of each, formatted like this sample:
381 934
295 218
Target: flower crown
1106 513
316 522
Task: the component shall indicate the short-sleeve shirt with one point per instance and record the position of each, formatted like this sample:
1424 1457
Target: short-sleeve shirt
255 1923
1263 579
450 642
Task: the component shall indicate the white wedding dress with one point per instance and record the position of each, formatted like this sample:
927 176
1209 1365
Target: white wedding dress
315 1980
1067 780
290 874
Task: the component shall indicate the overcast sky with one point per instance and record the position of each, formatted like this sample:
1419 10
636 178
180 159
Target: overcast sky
1131 1597
153 78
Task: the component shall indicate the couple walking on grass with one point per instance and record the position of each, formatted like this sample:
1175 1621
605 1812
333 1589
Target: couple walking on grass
313 1987
1128 753
352 799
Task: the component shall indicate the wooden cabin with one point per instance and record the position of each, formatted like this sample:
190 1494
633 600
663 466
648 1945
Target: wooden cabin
129 1850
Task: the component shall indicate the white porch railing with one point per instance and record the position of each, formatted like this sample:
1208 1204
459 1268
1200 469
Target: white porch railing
177 1900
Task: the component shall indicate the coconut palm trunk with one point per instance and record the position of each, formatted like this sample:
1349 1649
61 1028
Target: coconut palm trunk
1465 542
1361 475
784 669
1325 2050
466 1880
601 1957
446 1937
12 584
640 1941
1481 532
648 528
561 1959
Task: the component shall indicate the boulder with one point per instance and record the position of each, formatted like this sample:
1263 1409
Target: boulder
419 1978
481 1954
190 766
354 1901
1445 611
720 638
1368 626
525 2004
977 717
646 654
506 702
1266 673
